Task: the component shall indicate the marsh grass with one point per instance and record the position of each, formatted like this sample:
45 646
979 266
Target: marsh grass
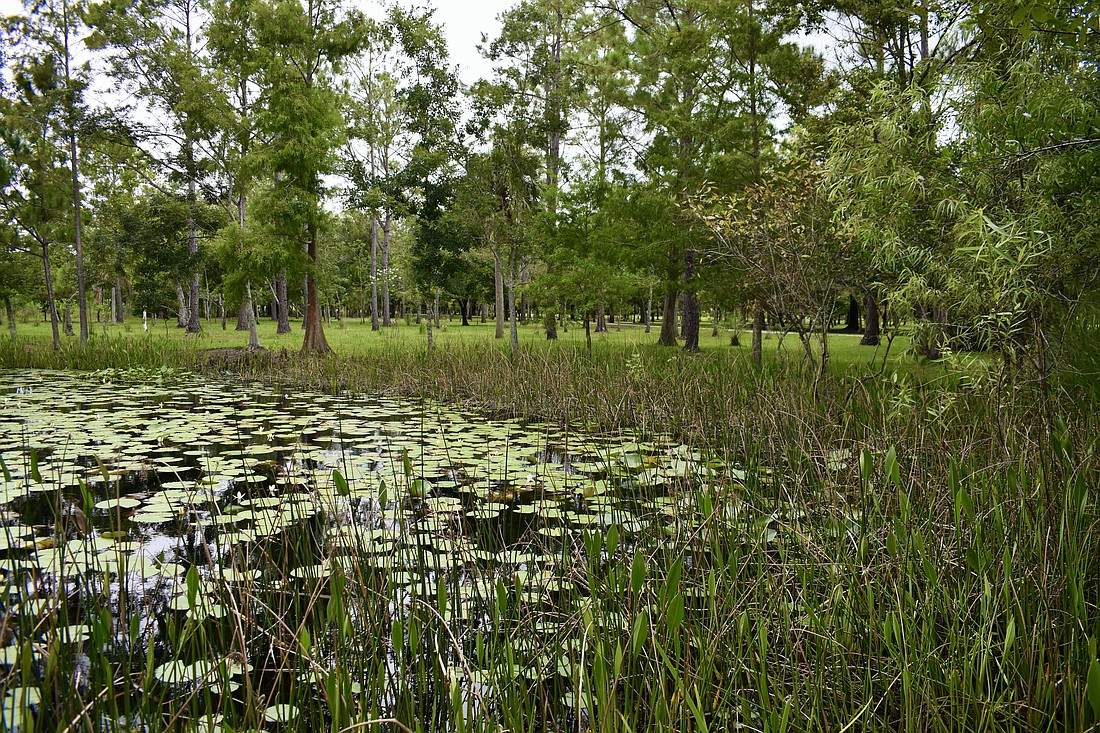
909 552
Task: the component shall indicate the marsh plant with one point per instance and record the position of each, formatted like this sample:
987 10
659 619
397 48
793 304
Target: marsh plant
183 552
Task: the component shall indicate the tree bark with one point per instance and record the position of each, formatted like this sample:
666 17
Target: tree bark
314 341
74 165
871 330
512 300
10 311
649 310
193 324
305 291
851 321
116 296
51 304
668 319
498 283
374 274
431 334
182 317
691 304
242 316
284 303
601 318
758 334
386 226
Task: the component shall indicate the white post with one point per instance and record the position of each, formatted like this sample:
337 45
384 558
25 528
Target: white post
144 320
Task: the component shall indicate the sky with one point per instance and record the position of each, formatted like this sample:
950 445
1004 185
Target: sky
464 22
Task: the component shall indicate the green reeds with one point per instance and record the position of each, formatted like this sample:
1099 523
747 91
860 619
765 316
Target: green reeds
884 555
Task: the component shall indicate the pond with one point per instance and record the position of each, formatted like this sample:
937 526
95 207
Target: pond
177 549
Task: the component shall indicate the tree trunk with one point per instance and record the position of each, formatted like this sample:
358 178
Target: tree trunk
51 304
691 305
871 331
512 300
758 334
386 226
601 318
68 321
649 310
668 319
498 282
305 292
851 321
374 274
717 317
242 316
78 238
436 313
314 341
10 311
182 318
74 166
284 303
484 312
464 308
193 324
431 320
587 331
116 296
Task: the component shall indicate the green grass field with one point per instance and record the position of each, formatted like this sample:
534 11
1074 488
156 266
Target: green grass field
352 338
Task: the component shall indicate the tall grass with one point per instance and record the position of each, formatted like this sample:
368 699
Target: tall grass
896 553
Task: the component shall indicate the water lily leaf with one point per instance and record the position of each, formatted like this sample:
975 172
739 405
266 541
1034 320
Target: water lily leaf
281 713
15 709
9 655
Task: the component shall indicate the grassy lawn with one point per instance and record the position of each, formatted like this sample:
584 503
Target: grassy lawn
354 338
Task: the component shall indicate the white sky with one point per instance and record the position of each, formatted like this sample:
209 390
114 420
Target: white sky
464 22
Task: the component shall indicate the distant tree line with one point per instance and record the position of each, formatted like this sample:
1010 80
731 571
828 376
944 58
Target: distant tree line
223 160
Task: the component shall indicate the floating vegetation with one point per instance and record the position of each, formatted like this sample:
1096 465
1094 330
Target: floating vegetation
177 502
179 553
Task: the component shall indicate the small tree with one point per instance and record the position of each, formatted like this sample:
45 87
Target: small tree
779 238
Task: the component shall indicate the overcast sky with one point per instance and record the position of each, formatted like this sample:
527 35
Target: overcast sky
464 23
